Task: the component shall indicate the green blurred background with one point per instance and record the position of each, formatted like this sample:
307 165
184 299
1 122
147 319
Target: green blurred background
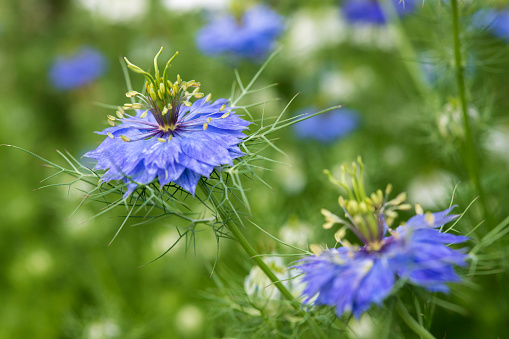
60 279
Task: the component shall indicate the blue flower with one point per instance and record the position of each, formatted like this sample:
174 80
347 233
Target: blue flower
80 69
170 139
495 21
371 12
351 279
251 37
427 261
328 127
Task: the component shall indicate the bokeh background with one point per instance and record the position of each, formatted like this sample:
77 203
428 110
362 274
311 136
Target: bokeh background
58 276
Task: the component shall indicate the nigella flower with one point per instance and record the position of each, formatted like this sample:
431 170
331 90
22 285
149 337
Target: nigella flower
80 69
495 21
328 127
352 278
252 36
371 11
169 138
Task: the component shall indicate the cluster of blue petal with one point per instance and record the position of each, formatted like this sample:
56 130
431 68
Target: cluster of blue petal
70 72
351 280
328 127
191 153
495 21
371 12
252 37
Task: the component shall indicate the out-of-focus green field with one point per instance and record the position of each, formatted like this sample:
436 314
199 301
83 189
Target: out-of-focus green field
58 276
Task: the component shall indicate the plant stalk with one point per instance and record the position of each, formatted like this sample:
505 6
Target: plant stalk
233 227
472 158
411 322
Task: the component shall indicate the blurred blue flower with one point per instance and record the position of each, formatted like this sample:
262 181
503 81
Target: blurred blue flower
251 37
328 127
179 146
351 278
495 21
70 72
371 12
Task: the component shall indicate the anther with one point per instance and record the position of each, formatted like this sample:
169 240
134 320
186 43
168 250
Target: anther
187 103
225 115
205 125
222 107
161 139
143 115
124 138
111 123
111 117
208 97
110 135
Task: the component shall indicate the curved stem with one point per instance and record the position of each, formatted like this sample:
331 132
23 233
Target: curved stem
232 226
471 155
411 322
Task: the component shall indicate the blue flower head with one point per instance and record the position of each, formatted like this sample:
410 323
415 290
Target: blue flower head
251 37
495 21
352 278
169 138
80 69
371 11
328 127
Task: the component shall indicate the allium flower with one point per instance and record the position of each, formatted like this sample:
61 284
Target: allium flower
328 127
169 138
495 21
371 11
252 37
77 70
352 278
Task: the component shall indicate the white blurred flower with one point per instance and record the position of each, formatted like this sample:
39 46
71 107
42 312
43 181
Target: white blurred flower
431 190
497 142
295 233
369 36
103 329
260 288
117 10
189 319
189 5
364 327
313 29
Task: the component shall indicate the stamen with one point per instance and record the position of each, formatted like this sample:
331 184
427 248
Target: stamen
187 103
110 135
124 138
418 209
120 112
112 118
222 107
144 114
225 115
111 123
161 139
208 97
430 218
205 125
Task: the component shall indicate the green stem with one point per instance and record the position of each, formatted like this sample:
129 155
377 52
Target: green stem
411 322
233 227
471 155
